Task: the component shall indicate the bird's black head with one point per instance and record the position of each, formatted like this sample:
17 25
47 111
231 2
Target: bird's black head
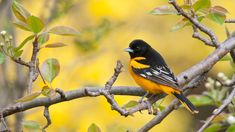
138 48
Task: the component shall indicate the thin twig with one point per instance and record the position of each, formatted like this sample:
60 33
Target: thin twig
117 71
230 21
20 61
217 111
38 69
47 116
107 88
2 120
200 37
195 22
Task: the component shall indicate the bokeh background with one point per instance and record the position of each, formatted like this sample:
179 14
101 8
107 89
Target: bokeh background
107 27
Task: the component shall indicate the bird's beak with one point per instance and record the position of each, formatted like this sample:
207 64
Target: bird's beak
129 50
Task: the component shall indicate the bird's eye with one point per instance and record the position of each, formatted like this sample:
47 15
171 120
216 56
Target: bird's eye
137 48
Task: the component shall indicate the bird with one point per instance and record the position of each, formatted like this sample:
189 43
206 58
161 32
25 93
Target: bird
150 72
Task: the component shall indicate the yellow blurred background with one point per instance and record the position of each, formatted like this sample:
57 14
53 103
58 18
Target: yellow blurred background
93 65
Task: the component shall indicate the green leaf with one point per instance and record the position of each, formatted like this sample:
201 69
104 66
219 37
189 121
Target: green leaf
63 30
93 128
31 125
2 58
164 10
213 128
186 6
130 104
218 10
20 12
202 5
43 38
231 128
200 100
49 92
18 53
55 45
218 18
21 25
161 108
28 97
232 64
226 58
180 24
24 42
34 24
50 69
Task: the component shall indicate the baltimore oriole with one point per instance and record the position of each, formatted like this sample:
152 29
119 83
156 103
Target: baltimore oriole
151 72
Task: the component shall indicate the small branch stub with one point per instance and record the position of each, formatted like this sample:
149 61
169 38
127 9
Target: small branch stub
47 116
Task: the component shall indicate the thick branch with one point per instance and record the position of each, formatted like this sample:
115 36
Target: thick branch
70 95
217 111
160 116
207 63
32 64
174 105
183 78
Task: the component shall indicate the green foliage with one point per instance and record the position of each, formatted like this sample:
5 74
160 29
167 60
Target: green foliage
215 127
200 100
164 10
216 18
96 33
47 91
17 53
55 45
28 97
130 104
202 5
180 24
63 30
19 11
226 58
43 38
201 8
93 128
35 24
231 128
24 42
31 125
21 25
2 58
50 69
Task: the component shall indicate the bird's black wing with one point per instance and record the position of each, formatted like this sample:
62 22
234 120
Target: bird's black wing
158 74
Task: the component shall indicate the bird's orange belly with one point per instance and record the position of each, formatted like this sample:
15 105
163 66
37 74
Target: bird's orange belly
150 86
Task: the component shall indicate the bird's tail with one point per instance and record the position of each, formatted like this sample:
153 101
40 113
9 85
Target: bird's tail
186 102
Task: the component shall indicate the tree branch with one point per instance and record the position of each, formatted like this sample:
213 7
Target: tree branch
47 116
230 21
70 95
174 105
217 111
200 37
183 78
195 22
20 61
32 65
